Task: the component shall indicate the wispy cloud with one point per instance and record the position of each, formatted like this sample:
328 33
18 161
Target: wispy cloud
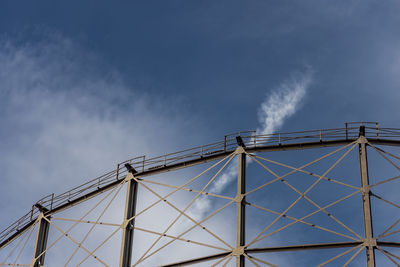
283 102
279 105
68 117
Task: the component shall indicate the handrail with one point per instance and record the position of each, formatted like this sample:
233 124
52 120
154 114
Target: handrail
143 164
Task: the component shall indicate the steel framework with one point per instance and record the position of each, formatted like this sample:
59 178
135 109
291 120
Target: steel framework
245 147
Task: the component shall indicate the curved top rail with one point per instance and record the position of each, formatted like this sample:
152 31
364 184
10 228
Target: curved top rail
52 203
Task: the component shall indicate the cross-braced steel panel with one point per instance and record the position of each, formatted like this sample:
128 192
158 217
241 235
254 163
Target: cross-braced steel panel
311 198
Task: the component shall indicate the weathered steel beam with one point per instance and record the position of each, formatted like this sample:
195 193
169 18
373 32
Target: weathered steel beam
41 241
388 244
240 208
197 260
303 247
370 242
384 142
266 250
129 225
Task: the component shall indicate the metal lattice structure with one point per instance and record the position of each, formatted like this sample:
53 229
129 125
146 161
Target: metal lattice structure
352 243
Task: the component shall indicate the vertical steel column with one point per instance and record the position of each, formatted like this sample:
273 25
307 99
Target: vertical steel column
130 211
240 207
41 241
370 242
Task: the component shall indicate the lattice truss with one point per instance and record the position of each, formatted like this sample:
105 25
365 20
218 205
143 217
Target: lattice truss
281 208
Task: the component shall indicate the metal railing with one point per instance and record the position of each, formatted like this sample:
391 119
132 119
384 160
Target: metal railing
228 144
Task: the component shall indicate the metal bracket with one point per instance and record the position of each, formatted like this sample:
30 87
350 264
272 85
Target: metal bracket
366 190
128 177
41 208
362 140
239 198
371 242
127 224
238 251
239 150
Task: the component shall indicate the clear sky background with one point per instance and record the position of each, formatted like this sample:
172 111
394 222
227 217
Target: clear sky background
85 85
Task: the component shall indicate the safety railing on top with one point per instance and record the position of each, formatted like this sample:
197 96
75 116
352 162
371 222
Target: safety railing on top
143 164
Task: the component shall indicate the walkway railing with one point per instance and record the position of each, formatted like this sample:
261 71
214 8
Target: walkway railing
142 164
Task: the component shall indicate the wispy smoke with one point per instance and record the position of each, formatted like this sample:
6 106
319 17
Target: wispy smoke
282 103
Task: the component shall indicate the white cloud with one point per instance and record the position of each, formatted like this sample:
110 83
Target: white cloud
63 112
66 117
283 102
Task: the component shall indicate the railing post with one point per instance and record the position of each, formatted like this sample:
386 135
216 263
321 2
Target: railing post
128 227
370 242
225 143
240 208
52 201
33 207
117 171
41 241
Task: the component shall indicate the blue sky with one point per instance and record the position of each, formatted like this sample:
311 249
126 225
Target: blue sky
84 86
220 55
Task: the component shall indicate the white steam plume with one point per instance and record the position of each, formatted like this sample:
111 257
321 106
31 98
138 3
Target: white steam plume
283 103
277 107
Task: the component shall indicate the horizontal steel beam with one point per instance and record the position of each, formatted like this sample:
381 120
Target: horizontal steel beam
388 244
198 260
384 142
303 247
266 250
